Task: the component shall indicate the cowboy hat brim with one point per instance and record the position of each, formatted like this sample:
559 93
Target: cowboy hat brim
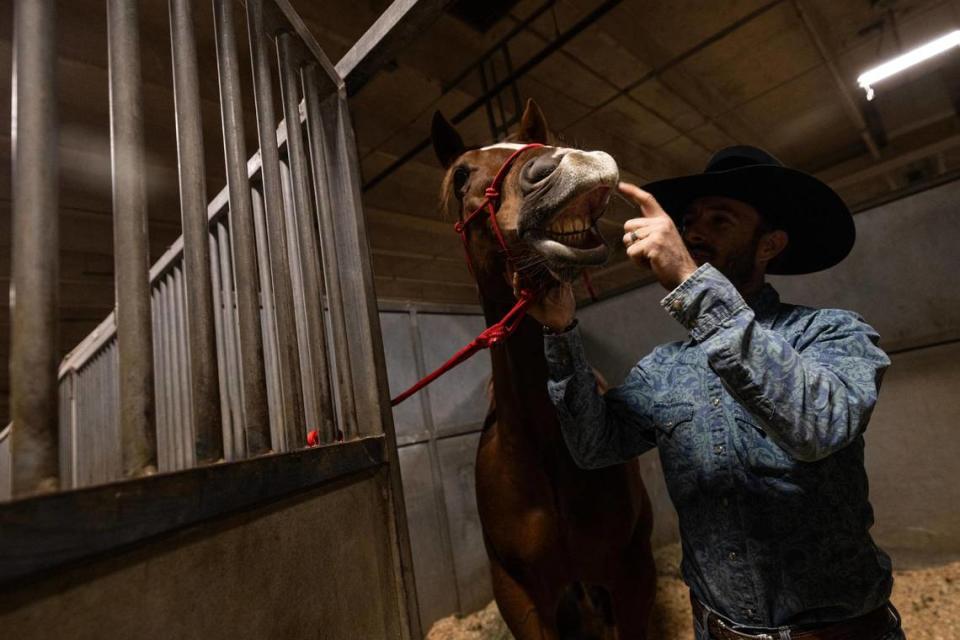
819 224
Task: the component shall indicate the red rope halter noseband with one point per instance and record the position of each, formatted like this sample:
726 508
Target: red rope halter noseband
500 331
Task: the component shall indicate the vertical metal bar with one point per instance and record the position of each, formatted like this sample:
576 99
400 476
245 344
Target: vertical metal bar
165 458
113 383
255 419
34 296
130 241
331 261
74 429
299 306
304 223
66 443
268 322
204 386
229 322
231 447
188 451
287 351
158 373
167 397
173 388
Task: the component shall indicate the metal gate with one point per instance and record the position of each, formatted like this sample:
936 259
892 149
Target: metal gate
258 325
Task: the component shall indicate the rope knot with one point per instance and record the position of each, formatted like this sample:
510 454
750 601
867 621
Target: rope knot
492 192
458 226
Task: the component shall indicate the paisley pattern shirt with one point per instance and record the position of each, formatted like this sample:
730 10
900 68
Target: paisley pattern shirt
759 420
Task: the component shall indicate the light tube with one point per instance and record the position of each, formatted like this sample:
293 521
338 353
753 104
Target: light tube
907 60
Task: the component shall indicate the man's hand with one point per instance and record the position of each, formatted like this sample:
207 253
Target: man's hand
555 308
653 241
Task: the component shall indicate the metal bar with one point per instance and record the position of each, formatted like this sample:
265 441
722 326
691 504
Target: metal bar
268 320
255 419
229 324
374 414
183 373
130 241
400 23
158 377
491 120
231 446
291 402
331 261
304 223
165 398
204 384
34 297
299 306
174 389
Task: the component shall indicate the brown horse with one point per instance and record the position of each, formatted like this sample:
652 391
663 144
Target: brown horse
569 549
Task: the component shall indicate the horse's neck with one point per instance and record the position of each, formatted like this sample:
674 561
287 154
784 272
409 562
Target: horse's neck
524 410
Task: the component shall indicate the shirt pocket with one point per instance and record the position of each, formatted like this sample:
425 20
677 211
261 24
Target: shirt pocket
670 419
761 455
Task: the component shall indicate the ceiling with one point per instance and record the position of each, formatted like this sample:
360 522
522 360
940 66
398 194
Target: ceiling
658 85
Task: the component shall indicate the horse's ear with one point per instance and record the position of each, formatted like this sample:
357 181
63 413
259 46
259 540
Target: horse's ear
533 124
446 141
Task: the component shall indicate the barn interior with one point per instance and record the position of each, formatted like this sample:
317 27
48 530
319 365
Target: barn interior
659 86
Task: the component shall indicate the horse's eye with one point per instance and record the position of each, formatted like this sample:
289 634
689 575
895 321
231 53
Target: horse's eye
460 177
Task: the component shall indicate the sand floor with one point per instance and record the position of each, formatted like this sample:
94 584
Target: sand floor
928 599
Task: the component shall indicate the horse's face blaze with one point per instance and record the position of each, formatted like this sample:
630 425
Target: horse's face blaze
549 206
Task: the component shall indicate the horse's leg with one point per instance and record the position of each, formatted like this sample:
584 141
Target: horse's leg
524 618
634 591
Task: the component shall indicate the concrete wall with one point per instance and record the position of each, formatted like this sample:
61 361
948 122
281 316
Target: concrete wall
901 276
314 566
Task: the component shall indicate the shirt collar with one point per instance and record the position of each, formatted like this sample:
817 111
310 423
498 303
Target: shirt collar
765 303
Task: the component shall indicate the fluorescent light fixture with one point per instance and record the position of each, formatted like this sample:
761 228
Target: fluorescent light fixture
907 60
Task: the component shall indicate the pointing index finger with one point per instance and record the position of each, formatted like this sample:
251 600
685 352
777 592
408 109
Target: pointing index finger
645 201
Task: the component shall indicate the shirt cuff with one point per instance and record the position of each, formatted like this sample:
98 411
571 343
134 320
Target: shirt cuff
564 353
703 302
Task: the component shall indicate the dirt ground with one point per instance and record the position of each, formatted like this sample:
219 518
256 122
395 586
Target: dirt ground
928 599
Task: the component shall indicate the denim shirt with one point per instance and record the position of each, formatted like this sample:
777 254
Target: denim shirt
759 420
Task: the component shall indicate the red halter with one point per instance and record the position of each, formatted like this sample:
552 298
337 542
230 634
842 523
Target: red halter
496 333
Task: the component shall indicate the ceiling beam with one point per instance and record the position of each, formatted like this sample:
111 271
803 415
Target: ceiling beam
850 107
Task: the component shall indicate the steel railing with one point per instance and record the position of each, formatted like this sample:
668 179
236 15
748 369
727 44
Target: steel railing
258 324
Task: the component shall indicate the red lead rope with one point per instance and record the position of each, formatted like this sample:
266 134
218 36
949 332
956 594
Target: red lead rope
500 331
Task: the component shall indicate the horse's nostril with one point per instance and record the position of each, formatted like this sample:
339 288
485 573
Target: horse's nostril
539 168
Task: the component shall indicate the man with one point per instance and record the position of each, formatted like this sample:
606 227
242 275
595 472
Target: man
758 416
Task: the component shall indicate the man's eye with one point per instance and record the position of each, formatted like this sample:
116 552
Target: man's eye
460 177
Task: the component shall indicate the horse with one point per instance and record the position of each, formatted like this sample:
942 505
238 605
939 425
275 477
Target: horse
568 548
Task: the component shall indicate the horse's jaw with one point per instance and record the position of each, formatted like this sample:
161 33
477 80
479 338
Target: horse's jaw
558 220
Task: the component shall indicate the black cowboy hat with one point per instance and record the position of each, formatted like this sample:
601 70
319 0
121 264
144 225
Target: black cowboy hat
818 222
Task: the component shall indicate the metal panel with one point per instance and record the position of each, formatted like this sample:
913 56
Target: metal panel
34 295
408 418
432 566
459 398
457 457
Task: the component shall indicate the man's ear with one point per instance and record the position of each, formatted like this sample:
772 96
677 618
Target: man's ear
447 143
533 125
772 244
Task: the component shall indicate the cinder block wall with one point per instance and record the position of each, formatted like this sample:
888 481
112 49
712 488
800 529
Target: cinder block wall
901 276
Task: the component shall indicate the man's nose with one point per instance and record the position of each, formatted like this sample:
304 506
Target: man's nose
692 234
538 169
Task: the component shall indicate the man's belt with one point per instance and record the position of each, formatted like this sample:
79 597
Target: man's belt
870 625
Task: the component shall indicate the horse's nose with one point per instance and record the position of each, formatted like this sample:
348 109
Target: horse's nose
538 169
